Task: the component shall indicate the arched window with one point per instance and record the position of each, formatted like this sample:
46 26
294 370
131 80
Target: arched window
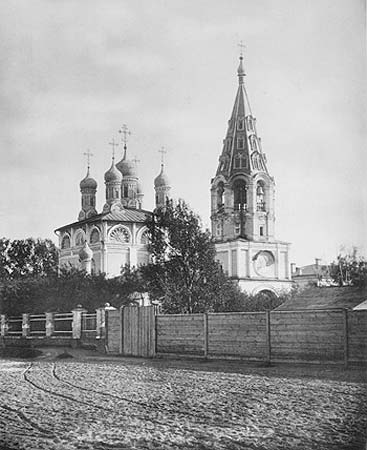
260 196
240 194
94 237
65 243
79 239
120 234
220 192
144 238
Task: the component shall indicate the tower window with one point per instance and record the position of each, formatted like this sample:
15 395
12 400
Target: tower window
220 192
126 191
237 229
218 230
240 143
240 194
240 124
261 231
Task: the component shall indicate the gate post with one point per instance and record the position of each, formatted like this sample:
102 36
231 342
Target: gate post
50 325
3 325
25 325
77 321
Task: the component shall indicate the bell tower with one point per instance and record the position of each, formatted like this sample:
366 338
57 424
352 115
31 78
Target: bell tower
242 205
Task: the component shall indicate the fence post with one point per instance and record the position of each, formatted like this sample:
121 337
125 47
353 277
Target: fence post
268 337
101 320
2 325
25 325
206 343
77 321
121 349
50 324
346 331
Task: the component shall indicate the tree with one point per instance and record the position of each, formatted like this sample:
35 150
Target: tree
349 269
184 274
30 256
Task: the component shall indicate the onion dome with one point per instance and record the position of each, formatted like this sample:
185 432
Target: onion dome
88 182
113 174
127 167
162 179
85 252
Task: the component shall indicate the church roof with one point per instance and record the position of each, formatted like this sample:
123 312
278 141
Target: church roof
242 152
124 215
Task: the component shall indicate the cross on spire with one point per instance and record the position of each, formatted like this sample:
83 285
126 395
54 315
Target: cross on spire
162 151
125 134
242 46
113 145
88 154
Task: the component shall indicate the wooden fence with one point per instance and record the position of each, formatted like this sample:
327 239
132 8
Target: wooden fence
330 336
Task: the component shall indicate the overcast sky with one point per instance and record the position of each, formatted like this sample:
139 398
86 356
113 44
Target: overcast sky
72 72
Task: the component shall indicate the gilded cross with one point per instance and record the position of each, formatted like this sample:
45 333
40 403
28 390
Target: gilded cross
88 154
162 151
125 134
113 145
242 47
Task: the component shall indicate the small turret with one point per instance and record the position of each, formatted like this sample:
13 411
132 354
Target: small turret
85 257
88 189
162 188
113 179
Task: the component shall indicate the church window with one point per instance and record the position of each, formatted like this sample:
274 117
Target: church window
250 124
120 234
237 229
79 240
260 195
240 124
261 231
240 194
65 243
219 228
240 162
156 199
254 146
220 192
240 143
126 191
92 201
94 237
144 238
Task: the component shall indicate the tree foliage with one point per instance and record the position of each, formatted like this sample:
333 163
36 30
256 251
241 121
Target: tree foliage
63 292
184 275
24 257
349 269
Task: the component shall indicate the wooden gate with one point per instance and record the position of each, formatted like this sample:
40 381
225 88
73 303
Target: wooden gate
138 331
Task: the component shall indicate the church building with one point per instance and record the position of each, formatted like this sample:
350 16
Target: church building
242 207
107 241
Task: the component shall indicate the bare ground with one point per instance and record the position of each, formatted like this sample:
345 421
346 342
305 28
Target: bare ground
119 403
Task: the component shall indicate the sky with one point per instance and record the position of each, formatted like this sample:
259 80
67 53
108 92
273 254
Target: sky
73 72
